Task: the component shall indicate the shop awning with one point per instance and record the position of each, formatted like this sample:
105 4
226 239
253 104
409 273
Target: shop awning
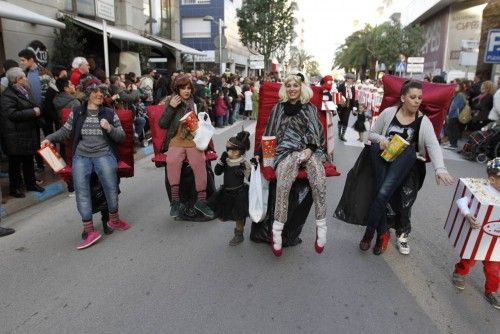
13 12
177 46
114 32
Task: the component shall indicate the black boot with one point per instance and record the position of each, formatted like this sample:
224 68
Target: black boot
342 135
237 239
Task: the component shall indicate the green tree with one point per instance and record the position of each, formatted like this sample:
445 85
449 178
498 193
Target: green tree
312 68
299 58
68 44
266 26
357 53
383 43
392 40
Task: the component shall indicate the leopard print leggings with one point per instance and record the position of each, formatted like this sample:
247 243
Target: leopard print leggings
286 173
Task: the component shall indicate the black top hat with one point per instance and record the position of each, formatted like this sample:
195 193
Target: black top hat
240 142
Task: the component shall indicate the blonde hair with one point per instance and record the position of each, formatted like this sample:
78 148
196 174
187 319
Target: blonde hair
488 87
306 92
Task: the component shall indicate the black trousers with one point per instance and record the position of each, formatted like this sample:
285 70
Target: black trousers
344 117
15 162
453 130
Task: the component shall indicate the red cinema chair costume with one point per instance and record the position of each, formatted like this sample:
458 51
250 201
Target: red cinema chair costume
187 186
125 149
300 200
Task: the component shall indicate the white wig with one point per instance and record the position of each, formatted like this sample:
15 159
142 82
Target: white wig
306 92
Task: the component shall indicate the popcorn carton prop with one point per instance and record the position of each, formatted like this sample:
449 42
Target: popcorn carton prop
477 244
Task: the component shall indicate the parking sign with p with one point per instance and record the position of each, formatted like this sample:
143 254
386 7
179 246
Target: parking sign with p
492 52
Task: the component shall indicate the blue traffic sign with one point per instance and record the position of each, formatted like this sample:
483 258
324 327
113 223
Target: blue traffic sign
492 52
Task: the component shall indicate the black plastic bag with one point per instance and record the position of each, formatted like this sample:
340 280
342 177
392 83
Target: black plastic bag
97 195
299 205
359 193
188 194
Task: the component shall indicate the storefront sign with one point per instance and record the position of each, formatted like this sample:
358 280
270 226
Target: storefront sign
105 9
41 53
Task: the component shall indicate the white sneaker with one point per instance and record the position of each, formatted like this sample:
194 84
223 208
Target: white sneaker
402 243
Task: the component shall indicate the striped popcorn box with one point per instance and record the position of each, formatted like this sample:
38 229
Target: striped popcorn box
481 243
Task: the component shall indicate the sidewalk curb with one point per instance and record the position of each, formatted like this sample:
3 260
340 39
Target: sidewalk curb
53 189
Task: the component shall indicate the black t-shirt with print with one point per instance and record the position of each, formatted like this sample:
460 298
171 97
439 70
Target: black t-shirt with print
407 132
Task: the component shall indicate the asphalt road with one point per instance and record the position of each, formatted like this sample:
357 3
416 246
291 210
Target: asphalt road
166 276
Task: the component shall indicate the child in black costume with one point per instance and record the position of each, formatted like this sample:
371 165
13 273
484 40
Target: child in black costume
230 202
359 125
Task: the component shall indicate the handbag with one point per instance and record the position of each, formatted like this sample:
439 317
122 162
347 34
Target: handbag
205 131
256 209
465 115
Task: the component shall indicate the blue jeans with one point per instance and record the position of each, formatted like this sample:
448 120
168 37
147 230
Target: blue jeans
139 123
220 120
236 111
388 177
106 168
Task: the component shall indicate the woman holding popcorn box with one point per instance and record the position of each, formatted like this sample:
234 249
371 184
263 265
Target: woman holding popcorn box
180 119
95 130
295 130
400 136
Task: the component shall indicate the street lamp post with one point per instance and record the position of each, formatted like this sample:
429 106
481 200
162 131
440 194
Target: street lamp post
220 23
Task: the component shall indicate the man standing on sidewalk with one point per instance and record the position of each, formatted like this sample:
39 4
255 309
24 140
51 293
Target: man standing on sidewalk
39 79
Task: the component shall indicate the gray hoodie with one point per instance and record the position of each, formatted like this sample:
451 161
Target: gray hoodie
65 100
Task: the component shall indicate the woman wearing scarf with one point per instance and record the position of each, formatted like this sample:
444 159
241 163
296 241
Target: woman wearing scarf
300 141
482 106
20 116
179 145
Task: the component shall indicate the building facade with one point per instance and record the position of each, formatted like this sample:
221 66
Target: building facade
453 35
198 32
133 20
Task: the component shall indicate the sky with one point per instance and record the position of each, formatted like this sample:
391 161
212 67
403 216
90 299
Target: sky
328 22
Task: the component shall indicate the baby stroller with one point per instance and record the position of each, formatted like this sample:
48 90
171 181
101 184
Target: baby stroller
481 145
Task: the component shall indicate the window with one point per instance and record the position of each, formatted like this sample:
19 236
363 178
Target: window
195 27
85 7
196 2
166 19
146 5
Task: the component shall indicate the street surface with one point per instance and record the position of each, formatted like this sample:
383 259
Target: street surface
166 276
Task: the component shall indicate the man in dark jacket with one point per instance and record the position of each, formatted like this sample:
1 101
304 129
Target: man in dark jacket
39 79
344 110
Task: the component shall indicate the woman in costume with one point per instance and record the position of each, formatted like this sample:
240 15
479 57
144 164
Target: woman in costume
300 141
408 122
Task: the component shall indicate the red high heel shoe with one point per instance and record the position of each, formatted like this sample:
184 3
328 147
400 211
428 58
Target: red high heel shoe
319 249
382 243
276 252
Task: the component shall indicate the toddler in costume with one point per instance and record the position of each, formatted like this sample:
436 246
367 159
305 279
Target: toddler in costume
230 202
491 268
359 125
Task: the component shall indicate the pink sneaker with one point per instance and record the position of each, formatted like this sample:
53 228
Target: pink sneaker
122 225
91 239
